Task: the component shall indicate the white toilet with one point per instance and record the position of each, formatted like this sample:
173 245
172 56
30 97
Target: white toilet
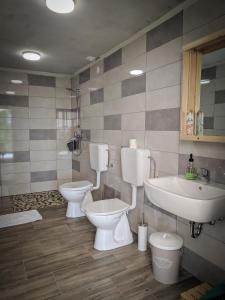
110 216
74 192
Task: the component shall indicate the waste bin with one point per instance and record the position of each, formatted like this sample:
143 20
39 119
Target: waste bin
166 251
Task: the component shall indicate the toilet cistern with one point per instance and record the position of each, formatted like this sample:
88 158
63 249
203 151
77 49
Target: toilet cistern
135 169
99 160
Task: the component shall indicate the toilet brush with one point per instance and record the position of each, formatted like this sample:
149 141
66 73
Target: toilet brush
142 235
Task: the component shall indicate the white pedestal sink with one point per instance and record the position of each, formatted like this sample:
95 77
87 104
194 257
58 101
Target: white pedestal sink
191 200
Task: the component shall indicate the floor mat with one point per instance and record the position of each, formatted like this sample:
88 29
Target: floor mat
19 218
37 200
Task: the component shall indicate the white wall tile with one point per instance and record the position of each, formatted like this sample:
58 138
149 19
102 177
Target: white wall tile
134 103
162 140
169 97
133 121
112 92
42 123
16 189
14 168
42 102
42 155
166 54
36 166
113 137
43 186
45 113
42 145
165 76
138 135
41 91
134 49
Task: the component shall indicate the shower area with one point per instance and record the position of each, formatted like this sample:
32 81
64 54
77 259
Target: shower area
37 123
74 145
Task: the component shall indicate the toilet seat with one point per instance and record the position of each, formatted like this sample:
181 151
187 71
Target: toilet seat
76 185
106 207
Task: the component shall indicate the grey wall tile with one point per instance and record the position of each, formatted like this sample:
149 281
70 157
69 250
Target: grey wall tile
201 268
165 32
40 80
113 60
109 192
76 165
97 96
43 176
164 119
42 134
132 86
220 97
208 73
13 157
84 76
208 122
86 134
215 166
112 122
19 101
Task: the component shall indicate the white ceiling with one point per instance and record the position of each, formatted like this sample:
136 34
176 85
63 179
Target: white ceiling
93 28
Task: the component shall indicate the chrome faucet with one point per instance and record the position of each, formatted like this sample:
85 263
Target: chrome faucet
204 175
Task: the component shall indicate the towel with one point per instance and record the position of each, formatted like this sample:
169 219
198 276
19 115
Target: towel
121 230
87 199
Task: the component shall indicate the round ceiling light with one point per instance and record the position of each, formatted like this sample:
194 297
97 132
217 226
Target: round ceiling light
16 81
31 55
10 93
136 72
61 6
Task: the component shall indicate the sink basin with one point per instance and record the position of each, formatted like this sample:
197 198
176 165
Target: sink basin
191 200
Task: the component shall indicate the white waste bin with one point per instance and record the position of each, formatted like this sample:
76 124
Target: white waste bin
166 251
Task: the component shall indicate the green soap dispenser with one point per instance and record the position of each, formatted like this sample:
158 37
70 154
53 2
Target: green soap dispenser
191 173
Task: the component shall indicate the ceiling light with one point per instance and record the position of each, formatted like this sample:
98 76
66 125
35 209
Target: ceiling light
31 55
205 81
16 81
10 93
136 72
61 6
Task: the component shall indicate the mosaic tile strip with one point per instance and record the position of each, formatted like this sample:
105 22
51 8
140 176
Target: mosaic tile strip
37 200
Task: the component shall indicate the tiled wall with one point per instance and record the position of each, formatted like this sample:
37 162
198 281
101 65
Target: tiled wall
35 124
116 106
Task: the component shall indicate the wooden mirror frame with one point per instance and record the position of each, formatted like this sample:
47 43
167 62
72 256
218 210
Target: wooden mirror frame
192 60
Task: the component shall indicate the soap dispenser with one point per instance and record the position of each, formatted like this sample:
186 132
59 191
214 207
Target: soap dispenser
191 172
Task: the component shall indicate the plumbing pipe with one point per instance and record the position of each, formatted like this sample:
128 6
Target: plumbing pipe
97 181
134 197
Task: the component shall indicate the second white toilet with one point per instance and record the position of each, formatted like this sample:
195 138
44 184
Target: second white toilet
110 216
74 192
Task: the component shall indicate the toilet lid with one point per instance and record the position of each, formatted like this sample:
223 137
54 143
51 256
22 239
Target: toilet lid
106 207
77 185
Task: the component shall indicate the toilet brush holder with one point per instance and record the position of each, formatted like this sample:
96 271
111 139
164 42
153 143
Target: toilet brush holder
142 237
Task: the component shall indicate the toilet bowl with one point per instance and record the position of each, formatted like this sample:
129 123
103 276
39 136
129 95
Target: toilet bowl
73 193
112 227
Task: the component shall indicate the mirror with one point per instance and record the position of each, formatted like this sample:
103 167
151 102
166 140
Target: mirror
203 90
212 92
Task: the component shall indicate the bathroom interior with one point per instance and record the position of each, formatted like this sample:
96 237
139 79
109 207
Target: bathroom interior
112 149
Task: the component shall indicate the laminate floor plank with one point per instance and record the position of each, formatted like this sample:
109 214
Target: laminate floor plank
54 259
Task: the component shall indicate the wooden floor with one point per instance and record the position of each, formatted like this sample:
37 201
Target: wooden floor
54 259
